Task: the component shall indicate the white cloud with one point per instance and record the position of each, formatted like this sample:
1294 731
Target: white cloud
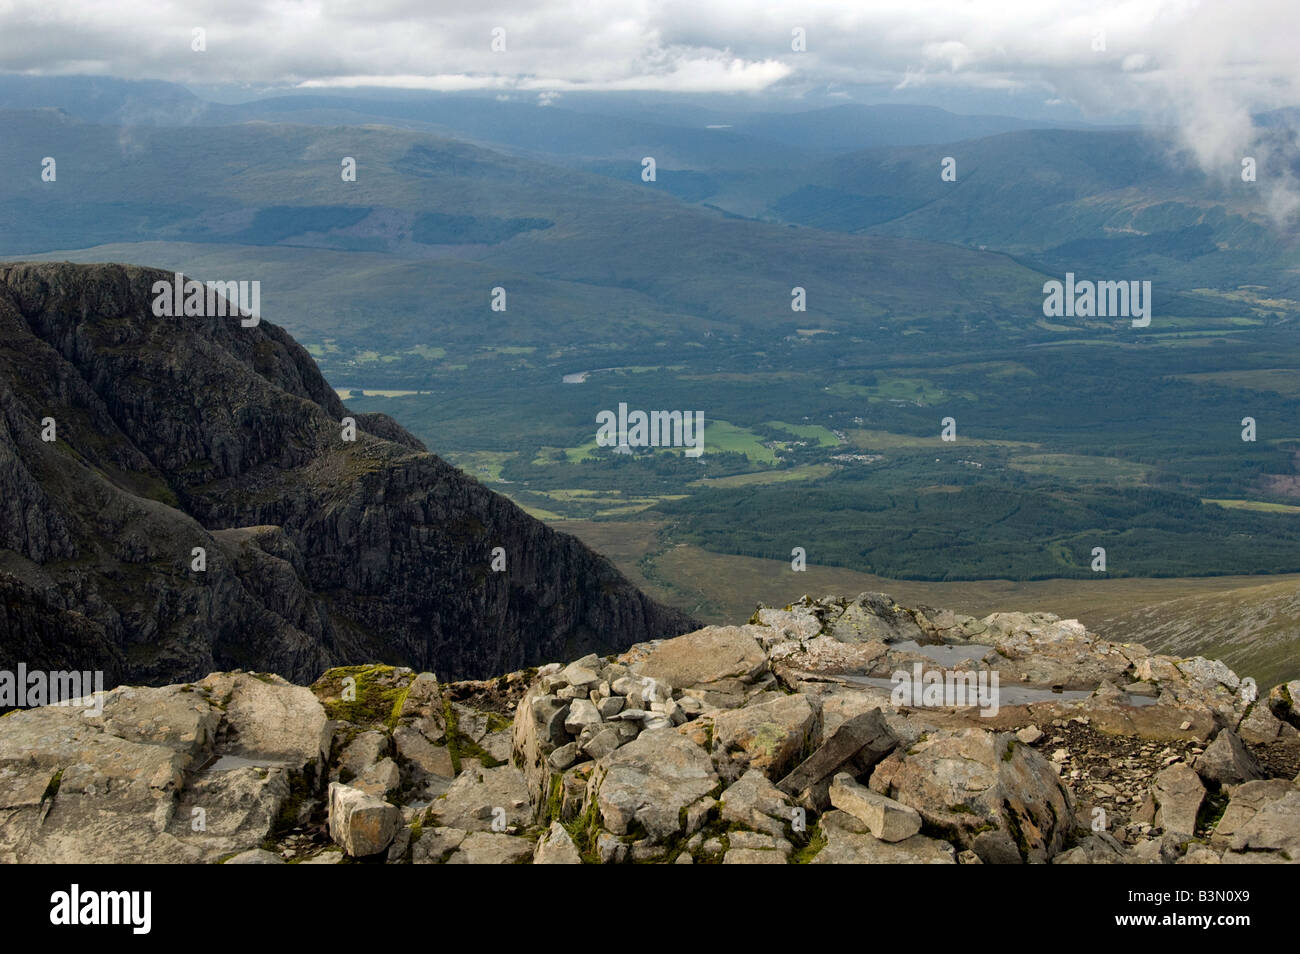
1203 67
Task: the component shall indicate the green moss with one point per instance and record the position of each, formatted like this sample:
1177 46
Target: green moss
374 703
583 830
461 746
52 788
452 737
396 712
471 749
807 852
554 799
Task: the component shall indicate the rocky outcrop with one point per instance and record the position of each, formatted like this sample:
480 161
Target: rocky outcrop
183 494
194 772
746 759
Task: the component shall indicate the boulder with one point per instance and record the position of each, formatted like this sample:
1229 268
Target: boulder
1227 761
707 656
361 824
1260 726
422 706
1200 855
435 844
967 781
582 713
429 759
863 740
1284 702
380 780
1178 794
538 731
1098 848
649 781
1274 828
754 802
363 751
556 848
887 819
768 735
256 856
1245 802
754 856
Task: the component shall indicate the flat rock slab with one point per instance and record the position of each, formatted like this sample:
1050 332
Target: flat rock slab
123 786
479 796
709 655
1246 801
1274 828
487 848
848 842
271 719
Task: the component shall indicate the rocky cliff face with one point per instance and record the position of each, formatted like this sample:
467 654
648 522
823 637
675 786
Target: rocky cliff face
176 433
783 740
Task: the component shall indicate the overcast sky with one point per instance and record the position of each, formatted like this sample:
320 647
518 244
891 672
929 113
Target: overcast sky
1202 64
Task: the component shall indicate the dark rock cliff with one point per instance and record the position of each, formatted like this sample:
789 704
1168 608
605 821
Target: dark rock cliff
183 432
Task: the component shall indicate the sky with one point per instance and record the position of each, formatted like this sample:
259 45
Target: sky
1201 65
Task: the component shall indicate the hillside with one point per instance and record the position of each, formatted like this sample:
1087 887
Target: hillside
131 442
1117 202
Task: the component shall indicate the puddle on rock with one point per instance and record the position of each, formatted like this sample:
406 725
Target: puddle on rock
1008 695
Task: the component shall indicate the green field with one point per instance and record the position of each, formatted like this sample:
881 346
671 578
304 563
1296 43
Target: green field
1258 505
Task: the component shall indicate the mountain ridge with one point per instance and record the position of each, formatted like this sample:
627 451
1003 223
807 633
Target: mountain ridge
177 433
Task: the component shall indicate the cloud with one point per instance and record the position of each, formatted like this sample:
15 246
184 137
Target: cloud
1200 67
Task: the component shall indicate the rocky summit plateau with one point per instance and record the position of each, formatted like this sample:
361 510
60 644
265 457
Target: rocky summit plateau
784 740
